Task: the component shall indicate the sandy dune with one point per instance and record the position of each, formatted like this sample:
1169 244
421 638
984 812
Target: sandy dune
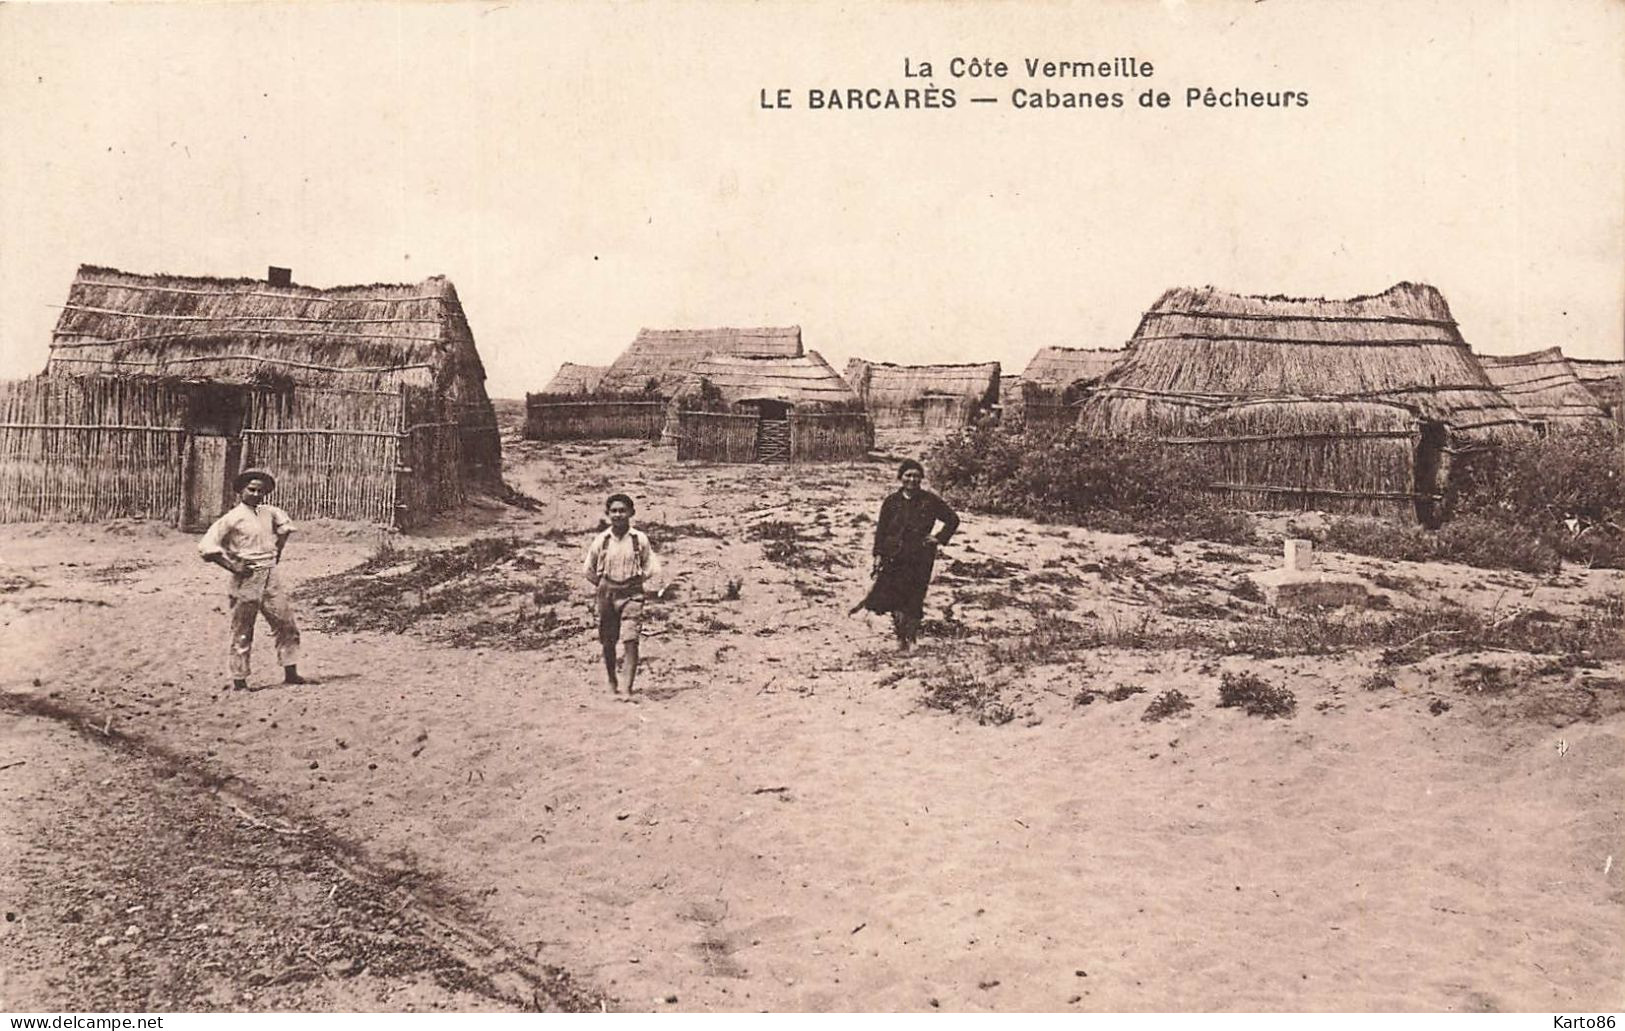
782 824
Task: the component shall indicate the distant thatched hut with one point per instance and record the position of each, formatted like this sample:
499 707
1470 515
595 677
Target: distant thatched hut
631 397
928 396
573 407
368 402
1606 381
575 379
733 408
1543 387
1053 382
1348 405
659 360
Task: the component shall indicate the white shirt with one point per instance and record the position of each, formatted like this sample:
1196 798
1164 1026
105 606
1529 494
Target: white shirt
621 558
248 535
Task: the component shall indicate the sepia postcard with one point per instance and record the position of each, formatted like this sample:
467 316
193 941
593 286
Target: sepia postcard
705 507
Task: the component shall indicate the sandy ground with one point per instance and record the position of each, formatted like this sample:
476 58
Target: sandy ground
782 822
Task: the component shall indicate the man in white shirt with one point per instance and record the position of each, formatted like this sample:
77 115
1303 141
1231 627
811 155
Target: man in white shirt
247 542
619 562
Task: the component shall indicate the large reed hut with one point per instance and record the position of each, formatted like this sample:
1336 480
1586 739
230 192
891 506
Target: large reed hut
1606 381
631 398
733 408
1053 381
1543 387
924 396
367 402
1346 405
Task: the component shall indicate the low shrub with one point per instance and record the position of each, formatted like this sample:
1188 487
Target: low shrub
1566 489
965 693
1490 542
1378 681
1170 703
1256 697
1119 486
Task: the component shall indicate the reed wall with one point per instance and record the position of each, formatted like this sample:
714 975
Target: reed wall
547 419
87 449
830 436
90 448
715 437
333 452
1368 458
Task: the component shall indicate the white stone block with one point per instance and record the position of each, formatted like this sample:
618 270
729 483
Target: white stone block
1300 553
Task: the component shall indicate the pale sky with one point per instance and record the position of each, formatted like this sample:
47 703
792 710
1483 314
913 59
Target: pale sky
581 170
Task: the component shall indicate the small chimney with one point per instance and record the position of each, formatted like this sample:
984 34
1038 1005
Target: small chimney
279 276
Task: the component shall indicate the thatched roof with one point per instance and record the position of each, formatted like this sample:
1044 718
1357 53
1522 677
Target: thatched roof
246 330
1056 368
575 379
665 356
1401 345
804 380
882 384
1605 379
1542 385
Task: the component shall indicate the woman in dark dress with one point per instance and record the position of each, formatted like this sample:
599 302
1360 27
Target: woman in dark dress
905 551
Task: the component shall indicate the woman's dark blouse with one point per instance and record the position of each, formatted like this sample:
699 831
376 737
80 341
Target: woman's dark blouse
905 522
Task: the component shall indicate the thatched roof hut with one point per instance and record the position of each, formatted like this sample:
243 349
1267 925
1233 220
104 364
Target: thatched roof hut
1056 368
733 408
1542 385
658 360
1400 345
1313 375
575 379
1606 381
805 381
368 402
931 396
1046 389
243 331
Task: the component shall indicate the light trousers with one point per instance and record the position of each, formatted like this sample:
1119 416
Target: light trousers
259 592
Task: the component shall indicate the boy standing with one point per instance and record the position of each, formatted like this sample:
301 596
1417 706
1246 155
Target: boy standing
619 562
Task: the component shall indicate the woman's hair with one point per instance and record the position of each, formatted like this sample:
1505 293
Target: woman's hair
909 463
630 508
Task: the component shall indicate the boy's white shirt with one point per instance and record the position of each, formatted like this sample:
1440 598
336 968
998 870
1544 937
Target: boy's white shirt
636 543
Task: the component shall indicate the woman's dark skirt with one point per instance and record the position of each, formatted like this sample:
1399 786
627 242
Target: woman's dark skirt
900 587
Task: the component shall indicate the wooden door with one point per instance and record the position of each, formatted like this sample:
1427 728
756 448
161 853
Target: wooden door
208 480
772 431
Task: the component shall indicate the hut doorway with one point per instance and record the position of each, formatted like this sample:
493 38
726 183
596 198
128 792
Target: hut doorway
211 462
772 431
214 450
1432 474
